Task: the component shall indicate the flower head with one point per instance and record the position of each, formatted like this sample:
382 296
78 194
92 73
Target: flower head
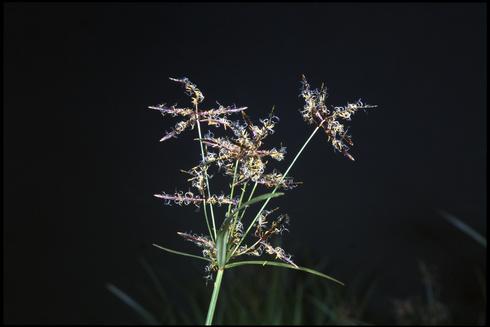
315 111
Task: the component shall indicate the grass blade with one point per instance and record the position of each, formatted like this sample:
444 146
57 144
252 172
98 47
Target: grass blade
156 282
138 308
222 242
323 308
196 310
181 253
464 228
274 312
221 247
259 198
298 306
283 265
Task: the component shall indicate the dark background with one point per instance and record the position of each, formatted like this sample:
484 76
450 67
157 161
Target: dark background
82 158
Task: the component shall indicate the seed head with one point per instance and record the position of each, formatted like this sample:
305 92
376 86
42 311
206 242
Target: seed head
239 152
315 111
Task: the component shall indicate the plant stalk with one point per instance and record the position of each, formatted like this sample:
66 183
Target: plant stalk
214 297
232 188
207 181
249 198
236 218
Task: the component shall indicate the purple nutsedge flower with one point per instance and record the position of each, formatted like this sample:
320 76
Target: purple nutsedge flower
238 153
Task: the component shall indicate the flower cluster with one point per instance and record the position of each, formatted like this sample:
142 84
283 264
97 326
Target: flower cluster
244 150
240 154
215 117
187 198
263 231
315 111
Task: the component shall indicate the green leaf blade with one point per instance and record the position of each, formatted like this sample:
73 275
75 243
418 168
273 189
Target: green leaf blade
459 224
138 308
222 242
181 253
283 265
260 198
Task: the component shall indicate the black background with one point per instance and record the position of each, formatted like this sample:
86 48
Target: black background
82 158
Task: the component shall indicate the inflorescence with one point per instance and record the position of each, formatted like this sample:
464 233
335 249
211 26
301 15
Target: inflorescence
316 112
240 155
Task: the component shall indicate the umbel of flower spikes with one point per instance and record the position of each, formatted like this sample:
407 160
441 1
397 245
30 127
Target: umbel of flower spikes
244 147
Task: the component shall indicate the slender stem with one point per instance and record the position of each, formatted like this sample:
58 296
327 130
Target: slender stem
275 189
236 218
232 188
244 188
207 220
210 205
250 248
249 198
214 297
206 176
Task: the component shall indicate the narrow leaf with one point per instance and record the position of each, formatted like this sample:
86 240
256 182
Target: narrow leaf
298 305
196 310
464 228
181 253
283 265
222 242
147 317
259 198
156 282
323 307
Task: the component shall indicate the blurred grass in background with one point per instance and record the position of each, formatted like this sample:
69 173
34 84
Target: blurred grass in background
271 296
268 297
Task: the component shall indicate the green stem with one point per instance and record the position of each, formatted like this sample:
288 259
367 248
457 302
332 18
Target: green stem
275 189
214 297
207 220
232 188
207 181
249 198
244 188
236 218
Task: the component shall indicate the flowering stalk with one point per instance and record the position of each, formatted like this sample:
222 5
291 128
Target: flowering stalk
232 187
207 182
249 198
243 158
214 297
